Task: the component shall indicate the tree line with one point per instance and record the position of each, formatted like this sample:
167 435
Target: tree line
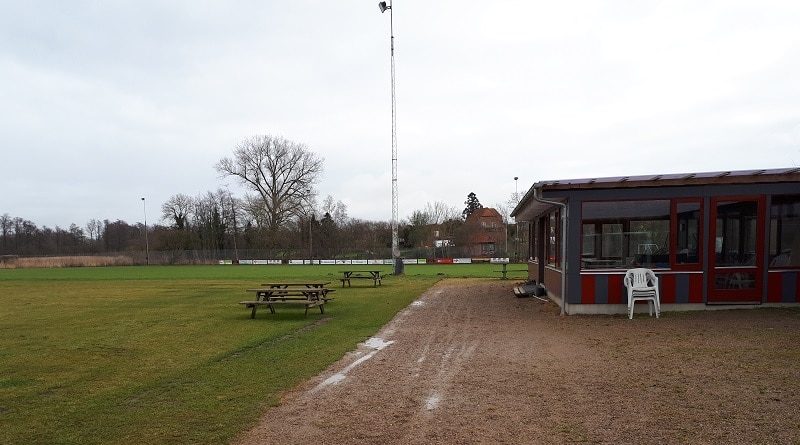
280 216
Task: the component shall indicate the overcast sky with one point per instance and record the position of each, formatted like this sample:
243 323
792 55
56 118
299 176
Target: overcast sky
105 102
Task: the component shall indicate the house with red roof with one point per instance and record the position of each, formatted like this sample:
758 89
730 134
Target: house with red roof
484 233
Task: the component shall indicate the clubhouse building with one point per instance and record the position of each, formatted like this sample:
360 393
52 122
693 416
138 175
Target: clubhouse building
714 239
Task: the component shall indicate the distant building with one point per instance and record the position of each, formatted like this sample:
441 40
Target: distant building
484 233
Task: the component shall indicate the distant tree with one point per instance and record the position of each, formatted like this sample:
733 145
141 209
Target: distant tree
176 210
6 226
472 205
439 212
337 210
94 227
328 238
282 173
118 235
419 230
76 236
208 222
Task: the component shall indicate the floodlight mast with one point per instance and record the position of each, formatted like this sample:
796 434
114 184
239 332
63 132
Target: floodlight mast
398 262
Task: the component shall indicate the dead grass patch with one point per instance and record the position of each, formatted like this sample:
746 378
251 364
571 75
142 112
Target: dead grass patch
14 262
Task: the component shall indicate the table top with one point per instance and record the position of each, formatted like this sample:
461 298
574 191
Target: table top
287 289
296 283
290 293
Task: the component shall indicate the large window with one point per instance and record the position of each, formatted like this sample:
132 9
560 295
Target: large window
553 242
784 234
624 234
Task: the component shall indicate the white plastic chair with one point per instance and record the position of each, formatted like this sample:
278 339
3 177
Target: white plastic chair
642 285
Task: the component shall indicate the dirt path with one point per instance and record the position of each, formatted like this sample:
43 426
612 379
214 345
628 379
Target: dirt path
470 363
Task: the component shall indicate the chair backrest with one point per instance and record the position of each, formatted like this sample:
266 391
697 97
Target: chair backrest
640 278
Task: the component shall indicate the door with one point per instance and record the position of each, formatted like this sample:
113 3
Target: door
736 250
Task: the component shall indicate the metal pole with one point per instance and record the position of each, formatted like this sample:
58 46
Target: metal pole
233 215
146 242
516 223
398 262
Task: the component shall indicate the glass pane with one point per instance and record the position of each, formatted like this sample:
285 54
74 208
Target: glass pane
553 234
588 241
648 243
621 234
611 244
688 236
736 233
735 281
784 238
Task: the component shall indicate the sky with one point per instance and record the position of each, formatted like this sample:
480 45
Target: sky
105 102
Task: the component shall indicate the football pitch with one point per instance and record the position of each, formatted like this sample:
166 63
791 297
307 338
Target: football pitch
165 354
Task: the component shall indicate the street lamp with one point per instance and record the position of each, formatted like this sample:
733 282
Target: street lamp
311 238
146 242
310 223
398 262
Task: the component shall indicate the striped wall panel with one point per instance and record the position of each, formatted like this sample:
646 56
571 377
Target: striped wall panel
782 287
609 288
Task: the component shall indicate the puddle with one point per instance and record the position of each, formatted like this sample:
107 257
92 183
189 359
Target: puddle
432 402
377 343
374 343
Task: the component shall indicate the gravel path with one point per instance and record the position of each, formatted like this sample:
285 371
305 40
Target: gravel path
470 363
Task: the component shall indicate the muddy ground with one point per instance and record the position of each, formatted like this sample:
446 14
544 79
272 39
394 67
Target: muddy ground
470 363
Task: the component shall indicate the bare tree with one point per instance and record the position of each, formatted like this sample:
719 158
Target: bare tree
6 226
504 211
94 227
282 173
176 210
439 212
336 209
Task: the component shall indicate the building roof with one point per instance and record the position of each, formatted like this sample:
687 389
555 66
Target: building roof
706 178
484 212
673 179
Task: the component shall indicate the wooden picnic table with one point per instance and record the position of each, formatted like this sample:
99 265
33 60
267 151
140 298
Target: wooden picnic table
285 284
374 275
302 294
507 271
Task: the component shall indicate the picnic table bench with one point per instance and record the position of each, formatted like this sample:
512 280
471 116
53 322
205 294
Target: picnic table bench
307 297
507 271
374 275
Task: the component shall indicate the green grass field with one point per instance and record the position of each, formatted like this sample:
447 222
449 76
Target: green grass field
160 355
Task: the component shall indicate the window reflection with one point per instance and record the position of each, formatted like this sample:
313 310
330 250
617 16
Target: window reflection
784 240
688 236
623 234
736 231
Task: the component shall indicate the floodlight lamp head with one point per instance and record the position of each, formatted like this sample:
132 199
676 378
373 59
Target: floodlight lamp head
382 6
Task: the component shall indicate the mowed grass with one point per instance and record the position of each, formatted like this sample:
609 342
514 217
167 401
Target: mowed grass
160 355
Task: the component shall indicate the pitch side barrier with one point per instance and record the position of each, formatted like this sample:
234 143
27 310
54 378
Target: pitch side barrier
381 262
